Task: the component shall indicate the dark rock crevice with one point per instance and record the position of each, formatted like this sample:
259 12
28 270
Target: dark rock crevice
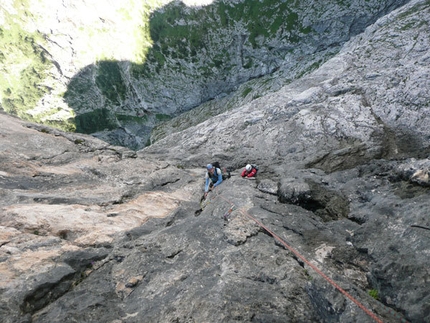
328 204
70 271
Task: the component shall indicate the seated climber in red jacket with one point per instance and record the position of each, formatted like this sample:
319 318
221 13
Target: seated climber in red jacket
250 171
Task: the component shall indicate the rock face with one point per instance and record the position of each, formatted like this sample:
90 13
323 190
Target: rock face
91 232
118 69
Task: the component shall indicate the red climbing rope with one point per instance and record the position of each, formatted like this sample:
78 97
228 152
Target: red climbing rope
367 311
331 281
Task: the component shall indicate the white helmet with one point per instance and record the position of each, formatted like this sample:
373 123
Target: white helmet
248 167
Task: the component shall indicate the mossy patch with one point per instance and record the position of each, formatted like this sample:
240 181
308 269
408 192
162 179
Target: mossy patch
246 92
129 119
48 118
374 293
110 82
162 117
96 120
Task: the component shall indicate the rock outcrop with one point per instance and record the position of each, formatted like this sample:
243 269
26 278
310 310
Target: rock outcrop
119 69
99 233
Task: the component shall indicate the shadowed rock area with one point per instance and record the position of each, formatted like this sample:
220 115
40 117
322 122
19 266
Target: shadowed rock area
117 69
91 232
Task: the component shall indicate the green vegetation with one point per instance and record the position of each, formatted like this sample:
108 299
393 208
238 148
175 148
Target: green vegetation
80 89
181 33
110 82
414 24
315 65
180 39
204 36
262 18
24 68
412 10
25 64
248 62
96 120
374 293
162 117
48 118
128 119
246 92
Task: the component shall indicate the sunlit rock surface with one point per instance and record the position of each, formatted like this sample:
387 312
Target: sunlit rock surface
91 232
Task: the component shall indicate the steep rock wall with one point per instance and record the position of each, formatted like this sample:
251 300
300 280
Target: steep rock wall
126 66
91 232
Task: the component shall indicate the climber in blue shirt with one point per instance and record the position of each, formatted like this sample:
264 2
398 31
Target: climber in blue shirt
213 178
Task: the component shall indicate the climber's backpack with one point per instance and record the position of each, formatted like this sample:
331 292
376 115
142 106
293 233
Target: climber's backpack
225 171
